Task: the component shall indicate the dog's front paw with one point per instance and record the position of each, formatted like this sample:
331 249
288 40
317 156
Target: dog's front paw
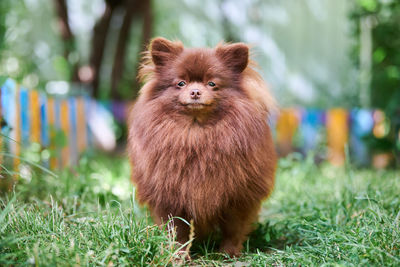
230 249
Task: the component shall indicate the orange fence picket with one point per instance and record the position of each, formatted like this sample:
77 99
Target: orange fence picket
337 134
35 116
286 127
65 127
81 125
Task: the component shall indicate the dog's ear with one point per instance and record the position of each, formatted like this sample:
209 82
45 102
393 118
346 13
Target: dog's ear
235 56
162 50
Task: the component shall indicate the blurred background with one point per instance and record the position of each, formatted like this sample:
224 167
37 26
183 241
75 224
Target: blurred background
334 67
305 48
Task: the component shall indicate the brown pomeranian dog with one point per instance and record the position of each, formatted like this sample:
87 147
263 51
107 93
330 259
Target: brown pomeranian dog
199 140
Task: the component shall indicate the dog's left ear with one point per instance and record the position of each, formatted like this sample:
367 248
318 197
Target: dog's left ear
236 56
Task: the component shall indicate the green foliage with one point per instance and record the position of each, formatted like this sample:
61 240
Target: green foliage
385 87
368 5
317 215
4 7
3 79
62 67
385 72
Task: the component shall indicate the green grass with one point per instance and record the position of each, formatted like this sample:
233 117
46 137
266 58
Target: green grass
317 215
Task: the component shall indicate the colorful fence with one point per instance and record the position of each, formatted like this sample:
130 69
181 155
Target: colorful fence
32 116
58 124
305 130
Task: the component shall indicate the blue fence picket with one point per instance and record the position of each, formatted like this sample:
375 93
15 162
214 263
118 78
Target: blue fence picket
8 104
88 109
25 121
44 126
310 127
362 123
73 130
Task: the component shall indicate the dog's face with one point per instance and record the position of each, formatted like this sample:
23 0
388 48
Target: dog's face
196 81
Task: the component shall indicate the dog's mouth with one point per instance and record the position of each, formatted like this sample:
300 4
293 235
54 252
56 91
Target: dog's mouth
196 105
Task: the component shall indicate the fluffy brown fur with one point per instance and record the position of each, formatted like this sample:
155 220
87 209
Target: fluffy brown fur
202 151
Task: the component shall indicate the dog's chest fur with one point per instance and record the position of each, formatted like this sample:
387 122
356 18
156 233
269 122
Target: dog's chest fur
199 170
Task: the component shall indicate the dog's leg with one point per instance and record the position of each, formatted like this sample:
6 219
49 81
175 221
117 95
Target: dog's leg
181 228
235 227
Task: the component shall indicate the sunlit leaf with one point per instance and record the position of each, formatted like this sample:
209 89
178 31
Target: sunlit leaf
369 5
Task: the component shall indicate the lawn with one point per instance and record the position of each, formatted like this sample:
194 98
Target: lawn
317 215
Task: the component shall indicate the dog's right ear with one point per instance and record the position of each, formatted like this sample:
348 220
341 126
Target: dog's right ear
235 56
163 50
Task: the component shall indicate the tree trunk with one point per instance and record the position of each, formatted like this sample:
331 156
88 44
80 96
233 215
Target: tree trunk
66 35
65 29
229 34
123 38
100 32
147 31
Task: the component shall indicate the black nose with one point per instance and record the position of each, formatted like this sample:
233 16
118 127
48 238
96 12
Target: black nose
195 94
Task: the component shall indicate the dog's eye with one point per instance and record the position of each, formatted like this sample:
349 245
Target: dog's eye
181 84
212 84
